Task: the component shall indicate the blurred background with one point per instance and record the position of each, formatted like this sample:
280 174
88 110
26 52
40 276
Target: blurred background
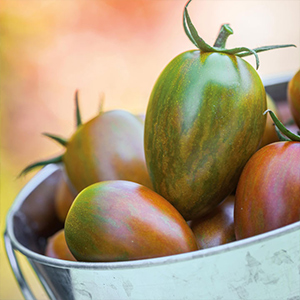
50 48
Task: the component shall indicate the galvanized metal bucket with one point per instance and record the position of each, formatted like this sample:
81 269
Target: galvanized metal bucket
263 267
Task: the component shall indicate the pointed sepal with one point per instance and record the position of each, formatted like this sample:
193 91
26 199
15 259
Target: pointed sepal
42 163
78 115
62 141
219 45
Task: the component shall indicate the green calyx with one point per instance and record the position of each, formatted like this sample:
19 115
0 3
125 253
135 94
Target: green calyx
220 43
41 163
78 115
62 141
283 133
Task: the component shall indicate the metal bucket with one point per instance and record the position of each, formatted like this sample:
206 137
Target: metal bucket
263 267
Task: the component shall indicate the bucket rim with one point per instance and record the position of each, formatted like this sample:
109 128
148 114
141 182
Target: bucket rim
48 170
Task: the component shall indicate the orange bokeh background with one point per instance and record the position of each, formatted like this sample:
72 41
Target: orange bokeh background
50 48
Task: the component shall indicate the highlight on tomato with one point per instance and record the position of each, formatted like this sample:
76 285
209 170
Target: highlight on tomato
267 195
204 120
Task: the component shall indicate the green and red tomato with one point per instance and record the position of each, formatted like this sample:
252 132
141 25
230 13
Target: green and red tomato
268 191
217 227
107 147
120 220
204 120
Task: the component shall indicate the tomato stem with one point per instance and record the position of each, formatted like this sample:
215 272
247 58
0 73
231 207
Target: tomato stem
282 128
281 136
219 45
224 33
102 98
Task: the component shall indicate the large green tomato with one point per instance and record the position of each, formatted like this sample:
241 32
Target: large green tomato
204 121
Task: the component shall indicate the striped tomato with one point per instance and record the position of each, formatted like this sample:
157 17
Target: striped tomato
107 147
203 122
120 220
267 195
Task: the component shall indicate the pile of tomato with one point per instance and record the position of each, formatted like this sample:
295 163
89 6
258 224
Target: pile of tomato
209 164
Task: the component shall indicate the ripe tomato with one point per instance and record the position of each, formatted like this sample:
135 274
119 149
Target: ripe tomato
120 220
217 227
268 191
107 147
63 200
293 95
57 247
270 135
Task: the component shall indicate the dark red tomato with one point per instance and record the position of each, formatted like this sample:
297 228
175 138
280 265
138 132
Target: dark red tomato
293 95
121 220
216 228
268 191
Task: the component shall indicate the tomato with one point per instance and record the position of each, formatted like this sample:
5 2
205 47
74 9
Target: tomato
64 198
270 135
120 220
216 228
293 96
107 147
204 120
267 195
57 247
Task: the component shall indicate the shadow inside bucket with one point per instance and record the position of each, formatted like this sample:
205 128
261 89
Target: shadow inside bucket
33 223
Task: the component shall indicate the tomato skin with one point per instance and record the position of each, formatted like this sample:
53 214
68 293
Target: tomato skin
63 200
57 247
120 220
108 147
203 122
217 227
270 135
268 192
293 96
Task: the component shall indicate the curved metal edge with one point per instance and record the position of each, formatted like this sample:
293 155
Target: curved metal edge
58 263
24 287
